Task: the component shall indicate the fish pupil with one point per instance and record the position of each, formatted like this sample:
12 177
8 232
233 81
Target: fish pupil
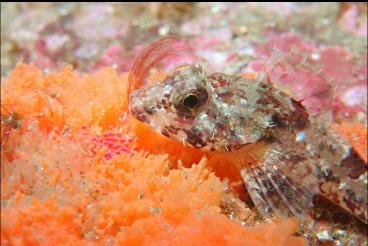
191 101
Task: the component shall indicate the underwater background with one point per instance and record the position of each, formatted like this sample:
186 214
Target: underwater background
78 169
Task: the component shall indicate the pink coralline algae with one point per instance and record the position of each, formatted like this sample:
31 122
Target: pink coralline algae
344 73
114 55
353 19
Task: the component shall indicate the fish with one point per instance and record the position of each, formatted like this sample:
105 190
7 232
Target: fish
298 155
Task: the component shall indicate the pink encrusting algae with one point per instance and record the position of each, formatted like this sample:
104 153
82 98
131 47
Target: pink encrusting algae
342 69
79 170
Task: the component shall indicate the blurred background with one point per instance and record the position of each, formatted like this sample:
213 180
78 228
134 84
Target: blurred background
231 37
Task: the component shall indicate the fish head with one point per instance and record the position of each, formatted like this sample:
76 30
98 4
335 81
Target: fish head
198 109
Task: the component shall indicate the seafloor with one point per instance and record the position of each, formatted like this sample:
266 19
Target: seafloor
78 169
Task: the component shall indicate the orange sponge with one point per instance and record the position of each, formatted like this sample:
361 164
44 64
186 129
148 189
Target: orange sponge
356 135
61 187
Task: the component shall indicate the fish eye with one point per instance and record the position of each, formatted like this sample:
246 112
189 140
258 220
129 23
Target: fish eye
191 101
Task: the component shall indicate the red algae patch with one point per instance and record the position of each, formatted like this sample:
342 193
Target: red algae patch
61 187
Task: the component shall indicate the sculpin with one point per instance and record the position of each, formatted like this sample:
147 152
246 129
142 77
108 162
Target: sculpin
298 156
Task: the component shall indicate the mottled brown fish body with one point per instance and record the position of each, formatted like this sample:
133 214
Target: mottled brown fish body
218 112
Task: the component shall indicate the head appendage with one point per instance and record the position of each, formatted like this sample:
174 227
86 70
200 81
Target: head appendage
153 55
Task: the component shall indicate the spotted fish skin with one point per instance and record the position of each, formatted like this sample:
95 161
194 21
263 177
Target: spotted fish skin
297 156
301 156
224 119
